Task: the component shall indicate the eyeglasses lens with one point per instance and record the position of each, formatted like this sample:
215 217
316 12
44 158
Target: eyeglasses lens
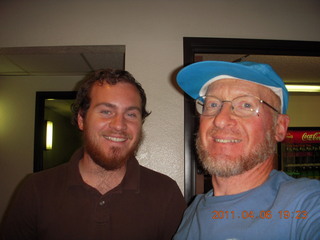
243 106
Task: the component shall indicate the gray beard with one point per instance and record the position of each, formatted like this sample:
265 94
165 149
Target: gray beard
227 167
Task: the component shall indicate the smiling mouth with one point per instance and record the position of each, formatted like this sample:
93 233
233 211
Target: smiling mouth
227 140
115 139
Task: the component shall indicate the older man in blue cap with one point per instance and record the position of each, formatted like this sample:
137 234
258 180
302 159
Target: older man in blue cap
242 110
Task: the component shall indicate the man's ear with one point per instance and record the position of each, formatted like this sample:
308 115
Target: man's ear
80 120
281 127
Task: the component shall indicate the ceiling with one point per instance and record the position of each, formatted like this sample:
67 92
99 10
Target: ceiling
60 60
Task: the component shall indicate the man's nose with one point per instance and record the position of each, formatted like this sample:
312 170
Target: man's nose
118 122
225 116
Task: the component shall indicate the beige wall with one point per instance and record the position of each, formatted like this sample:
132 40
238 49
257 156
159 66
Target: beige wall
304 109
152 32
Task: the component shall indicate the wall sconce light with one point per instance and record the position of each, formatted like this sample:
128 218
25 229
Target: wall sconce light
49 134
303 88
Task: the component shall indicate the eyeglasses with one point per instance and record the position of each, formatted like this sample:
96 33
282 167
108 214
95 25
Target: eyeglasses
243 106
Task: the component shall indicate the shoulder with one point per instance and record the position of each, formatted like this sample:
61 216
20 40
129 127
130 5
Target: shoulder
158 183
47 179
161 187
301 193
302 197
154 177
297 186
197 203
48 173
37 187
60 173
195 208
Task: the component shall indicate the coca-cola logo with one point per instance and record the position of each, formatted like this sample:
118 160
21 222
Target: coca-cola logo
311 137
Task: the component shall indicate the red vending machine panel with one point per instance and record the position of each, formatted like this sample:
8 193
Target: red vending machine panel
300 152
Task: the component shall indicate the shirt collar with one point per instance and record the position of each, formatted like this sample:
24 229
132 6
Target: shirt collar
130 182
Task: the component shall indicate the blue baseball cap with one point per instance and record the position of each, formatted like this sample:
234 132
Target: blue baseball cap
195 78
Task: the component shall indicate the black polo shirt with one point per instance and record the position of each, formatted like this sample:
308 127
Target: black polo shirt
58 204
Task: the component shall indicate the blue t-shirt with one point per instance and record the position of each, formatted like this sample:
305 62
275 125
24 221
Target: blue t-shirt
281 208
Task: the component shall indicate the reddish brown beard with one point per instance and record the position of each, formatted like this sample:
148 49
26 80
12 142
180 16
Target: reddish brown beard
117 157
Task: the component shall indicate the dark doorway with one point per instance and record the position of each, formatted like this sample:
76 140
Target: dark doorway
66 138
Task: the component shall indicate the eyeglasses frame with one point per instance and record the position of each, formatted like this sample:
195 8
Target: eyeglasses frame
222 102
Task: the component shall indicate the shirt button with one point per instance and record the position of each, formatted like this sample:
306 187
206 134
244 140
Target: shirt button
101 203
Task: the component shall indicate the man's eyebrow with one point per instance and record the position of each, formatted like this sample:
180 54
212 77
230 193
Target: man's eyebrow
134 108
105 104
110 105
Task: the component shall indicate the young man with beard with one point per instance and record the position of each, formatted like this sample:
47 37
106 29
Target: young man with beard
242 117
102 192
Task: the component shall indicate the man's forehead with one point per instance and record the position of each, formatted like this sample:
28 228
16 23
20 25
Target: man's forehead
241 87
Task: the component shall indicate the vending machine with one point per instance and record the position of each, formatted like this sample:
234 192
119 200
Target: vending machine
300 152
